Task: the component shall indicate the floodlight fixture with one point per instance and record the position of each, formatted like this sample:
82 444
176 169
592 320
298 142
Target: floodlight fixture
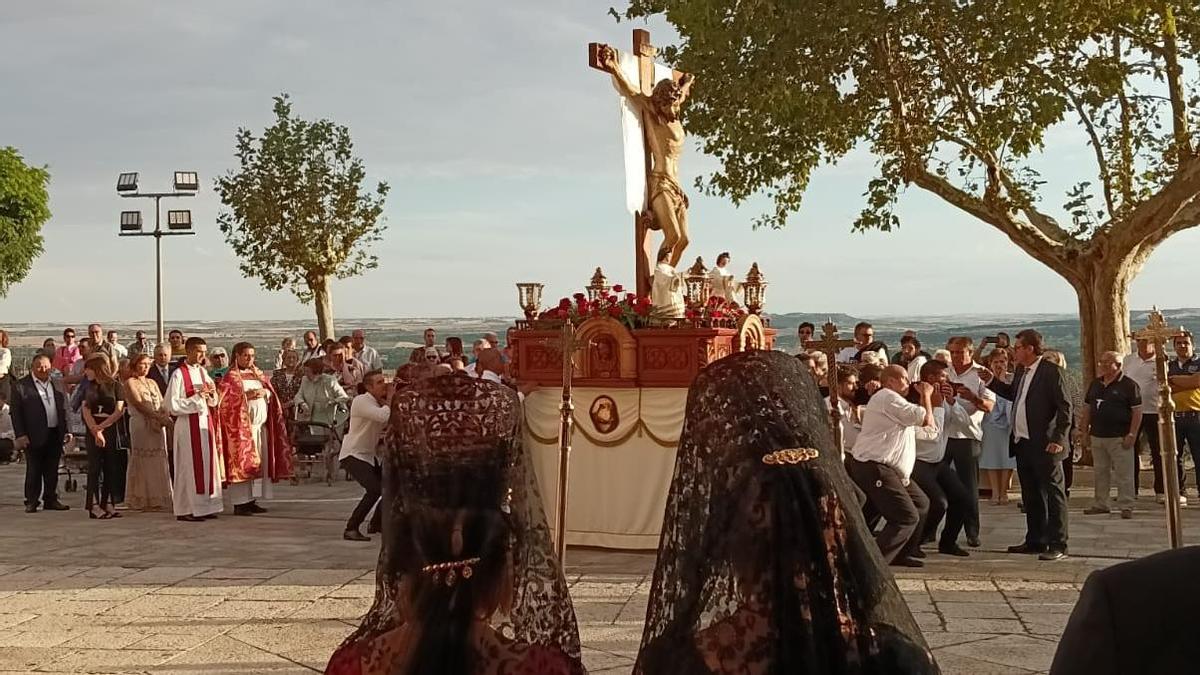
127 182
186 181
179 220
131 221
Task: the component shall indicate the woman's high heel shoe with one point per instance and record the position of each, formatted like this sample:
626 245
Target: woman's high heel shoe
94 516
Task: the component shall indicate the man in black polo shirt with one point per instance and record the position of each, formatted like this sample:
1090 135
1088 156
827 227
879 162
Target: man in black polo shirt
1110 423
1183 374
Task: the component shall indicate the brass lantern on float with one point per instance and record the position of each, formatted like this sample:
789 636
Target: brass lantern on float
754 290
598 288
697 285
529 296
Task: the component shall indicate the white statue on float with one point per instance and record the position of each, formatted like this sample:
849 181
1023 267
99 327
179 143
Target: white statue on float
666 291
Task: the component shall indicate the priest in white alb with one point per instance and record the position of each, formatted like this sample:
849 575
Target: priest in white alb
199 464
721 280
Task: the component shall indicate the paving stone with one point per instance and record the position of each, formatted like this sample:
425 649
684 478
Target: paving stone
241 573
163 575
597 612
975 610
8 621
959 585
1018 651
271 591
967 596
954 664
227 656
310 577
109 660
937 640
955 625
170 642
104 639
251 609
16 638
351 609
26 658
164 605
597 661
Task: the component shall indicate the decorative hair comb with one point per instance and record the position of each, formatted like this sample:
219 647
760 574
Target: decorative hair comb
790 456
453 570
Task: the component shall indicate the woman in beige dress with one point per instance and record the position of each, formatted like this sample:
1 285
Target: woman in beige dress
149 478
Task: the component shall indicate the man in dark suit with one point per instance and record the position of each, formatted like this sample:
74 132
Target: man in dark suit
1041 421
161 368
39 418
1131 618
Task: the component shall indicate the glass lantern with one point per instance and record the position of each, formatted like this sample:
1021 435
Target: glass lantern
754 290
529 295
697 284
599 287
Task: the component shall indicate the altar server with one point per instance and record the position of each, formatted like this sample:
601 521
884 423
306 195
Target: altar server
199 467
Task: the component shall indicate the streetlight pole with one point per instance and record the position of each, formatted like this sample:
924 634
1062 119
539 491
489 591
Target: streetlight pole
179 222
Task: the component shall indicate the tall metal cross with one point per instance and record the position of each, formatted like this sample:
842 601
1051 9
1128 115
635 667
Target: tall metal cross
566 344
643 248
1159 334
830 345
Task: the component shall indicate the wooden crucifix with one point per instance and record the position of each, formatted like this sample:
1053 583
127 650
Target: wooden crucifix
831 345
1158 333
653 97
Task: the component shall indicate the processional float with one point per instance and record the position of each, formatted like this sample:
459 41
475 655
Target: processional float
629 355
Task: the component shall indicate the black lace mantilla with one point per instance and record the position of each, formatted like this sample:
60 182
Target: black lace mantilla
768 567
438 426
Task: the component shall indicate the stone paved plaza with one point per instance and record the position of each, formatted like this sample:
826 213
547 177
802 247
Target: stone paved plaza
276 593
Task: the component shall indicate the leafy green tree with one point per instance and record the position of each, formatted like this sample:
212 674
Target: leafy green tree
24 208
956 97
296 211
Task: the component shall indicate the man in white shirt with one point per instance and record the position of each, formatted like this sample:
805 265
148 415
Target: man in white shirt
369 414
366 354
947 495
965 434
882 460
1140 368
119 350
850 415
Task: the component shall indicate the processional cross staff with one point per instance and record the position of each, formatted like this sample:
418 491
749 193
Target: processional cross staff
1159 334
566 344
654 194
831 345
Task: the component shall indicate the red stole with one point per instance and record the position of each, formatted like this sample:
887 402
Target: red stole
190 390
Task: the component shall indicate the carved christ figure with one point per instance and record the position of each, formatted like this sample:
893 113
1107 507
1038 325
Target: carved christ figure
664 135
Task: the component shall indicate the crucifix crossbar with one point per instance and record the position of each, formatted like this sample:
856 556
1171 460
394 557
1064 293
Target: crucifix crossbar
638 200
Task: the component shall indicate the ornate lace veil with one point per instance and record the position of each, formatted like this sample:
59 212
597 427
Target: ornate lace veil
441 429
765 563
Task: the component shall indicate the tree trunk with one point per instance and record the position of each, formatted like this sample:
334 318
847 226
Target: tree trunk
1103 310
324 305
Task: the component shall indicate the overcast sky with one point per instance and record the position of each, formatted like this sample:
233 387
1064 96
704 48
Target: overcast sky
500 144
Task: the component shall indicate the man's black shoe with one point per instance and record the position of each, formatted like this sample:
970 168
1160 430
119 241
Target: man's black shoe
355 535
1053 554
242 510
57 506
31 508
211 516
189 519
1025 548
917 554
253 507
953 549
908 562
973 542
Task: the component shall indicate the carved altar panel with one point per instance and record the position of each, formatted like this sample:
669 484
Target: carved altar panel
607 353
752 334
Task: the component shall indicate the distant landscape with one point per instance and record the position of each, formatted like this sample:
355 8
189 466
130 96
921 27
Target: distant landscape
395 337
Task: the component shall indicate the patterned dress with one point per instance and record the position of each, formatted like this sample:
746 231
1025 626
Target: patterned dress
148 481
